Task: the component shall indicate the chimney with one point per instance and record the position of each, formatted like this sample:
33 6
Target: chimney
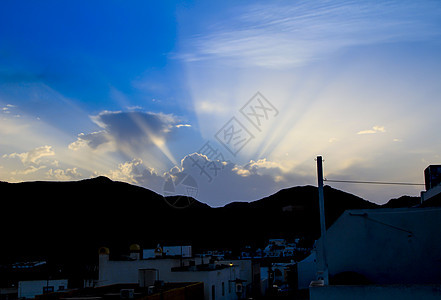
135 252
158 251
103 253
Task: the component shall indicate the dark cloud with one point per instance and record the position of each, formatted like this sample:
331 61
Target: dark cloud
93 140
136 127
132 130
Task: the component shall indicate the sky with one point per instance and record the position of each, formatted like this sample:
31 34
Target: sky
221 100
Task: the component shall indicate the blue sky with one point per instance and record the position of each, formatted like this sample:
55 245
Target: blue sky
135 91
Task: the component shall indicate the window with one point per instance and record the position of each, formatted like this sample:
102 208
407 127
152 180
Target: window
213 292
223 288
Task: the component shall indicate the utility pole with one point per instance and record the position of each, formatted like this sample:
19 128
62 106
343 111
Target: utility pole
322 264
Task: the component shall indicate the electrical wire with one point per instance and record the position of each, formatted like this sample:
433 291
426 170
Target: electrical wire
374 182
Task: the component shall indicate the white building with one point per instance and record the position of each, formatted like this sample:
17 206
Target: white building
29 289
127 271
220 280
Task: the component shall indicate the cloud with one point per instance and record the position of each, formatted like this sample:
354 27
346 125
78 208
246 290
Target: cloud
133 129
133 134
33 156
290 34
7 108
379 128
93 140
136 172
221 182
28 170
369 131
217 182
135 107
260 167
119 123
183 125
60 174
374 129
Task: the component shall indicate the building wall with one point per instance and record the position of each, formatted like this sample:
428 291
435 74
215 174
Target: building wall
387 246
113 272
433 192
211 278
245 268
306 271
29 289
376 292
191 292
249 271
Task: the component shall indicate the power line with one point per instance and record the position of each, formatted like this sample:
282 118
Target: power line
374 182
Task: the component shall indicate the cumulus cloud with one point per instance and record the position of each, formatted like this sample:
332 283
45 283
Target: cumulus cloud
33 156
136 172
60 174
263 166
221 182
217 182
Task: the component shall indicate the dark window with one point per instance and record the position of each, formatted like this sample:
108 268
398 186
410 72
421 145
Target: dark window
223 288
213 292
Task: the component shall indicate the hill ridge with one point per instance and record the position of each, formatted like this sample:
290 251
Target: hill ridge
83 215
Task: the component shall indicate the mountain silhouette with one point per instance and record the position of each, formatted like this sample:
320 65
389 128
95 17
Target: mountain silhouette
403 201
67 222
